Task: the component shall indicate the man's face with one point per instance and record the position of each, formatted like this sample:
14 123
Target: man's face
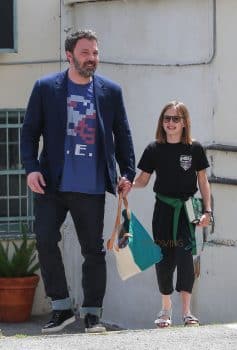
84 58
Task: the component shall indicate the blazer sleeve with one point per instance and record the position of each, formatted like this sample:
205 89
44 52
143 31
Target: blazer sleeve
124 150
31 131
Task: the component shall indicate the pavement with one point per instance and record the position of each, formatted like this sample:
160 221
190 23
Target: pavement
27 336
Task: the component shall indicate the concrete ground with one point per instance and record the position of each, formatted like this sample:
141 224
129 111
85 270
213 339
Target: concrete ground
27 336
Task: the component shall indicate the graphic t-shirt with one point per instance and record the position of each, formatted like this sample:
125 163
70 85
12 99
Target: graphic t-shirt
175 165
84 166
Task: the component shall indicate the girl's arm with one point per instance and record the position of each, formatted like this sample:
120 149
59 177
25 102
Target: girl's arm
141 180
204 188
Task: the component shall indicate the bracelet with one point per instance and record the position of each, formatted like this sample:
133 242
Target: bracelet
211 218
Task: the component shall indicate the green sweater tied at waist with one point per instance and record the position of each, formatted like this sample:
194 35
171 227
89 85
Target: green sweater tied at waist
177 204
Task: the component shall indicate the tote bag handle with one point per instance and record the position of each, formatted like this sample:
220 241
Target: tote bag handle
124 201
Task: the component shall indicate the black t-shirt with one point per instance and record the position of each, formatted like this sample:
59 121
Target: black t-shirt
176 167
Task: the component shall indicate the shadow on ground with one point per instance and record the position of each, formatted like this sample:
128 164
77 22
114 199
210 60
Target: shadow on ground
34 325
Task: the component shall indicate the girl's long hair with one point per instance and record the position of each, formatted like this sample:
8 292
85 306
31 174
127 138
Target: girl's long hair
183 112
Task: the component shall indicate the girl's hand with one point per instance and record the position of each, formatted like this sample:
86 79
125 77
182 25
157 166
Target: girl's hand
205 220
124 186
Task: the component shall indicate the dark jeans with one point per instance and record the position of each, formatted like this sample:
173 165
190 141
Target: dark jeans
177 255
87 212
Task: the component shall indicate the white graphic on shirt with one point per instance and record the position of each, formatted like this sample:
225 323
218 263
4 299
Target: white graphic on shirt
185 161
80 150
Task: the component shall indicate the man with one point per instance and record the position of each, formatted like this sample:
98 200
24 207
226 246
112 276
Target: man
82 120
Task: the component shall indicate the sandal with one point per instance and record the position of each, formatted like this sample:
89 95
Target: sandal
190 320
164 319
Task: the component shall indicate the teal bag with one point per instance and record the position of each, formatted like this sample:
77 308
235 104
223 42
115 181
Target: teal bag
134 249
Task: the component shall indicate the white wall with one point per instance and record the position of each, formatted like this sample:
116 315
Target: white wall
215 291
224 77
158 51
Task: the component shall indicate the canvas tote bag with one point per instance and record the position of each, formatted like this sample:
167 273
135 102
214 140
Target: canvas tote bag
134 249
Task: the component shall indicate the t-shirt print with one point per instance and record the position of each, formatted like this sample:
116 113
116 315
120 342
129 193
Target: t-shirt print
185 161
81 119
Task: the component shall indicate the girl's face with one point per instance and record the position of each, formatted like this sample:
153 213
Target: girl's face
173 124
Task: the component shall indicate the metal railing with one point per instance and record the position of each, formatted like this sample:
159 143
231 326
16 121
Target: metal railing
223 148
16 202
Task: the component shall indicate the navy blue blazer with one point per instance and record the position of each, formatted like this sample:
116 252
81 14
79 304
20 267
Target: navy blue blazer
46 115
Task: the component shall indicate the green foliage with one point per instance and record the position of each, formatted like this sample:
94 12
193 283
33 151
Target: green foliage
22 261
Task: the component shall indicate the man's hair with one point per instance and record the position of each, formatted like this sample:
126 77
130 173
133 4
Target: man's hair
183 112
72 39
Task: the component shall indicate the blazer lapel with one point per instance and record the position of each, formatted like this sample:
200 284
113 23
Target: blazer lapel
61 97
99 92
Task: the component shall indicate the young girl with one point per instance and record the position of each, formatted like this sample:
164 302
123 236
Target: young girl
179 163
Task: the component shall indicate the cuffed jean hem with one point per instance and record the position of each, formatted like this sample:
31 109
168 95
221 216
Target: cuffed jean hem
61 304
91 310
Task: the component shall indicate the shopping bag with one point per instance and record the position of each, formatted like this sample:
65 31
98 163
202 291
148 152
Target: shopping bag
134 249
194 208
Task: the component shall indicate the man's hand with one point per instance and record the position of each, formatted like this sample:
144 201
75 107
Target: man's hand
35 181
124 186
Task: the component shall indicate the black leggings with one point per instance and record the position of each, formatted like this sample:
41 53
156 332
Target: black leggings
174 255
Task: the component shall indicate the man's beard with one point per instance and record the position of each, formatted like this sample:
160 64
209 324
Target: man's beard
82 69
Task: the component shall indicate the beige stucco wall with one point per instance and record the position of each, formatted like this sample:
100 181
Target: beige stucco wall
38 37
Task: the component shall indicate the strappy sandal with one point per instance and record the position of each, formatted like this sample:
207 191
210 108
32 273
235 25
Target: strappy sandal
164 319
190 320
